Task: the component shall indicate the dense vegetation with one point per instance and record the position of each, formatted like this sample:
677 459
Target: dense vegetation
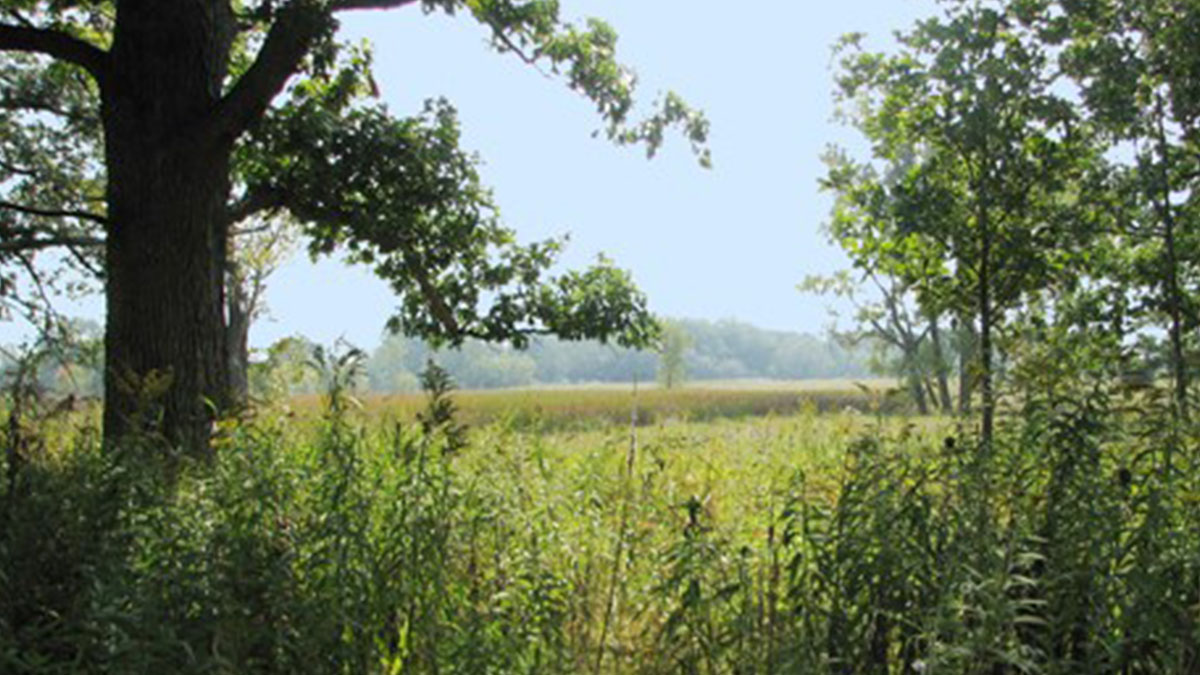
816 542
1027 216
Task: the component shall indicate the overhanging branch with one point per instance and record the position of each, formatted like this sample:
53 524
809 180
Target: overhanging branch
347 5
55 44
54 213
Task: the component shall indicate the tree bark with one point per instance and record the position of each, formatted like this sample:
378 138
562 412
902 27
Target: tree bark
237 339
166 236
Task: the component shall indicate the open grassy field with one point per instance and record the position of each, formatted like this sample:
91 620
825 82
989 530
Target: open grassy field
592 406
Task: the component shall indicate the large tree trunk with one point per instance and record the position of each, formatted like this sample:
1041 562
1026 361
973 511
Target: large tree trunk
167 195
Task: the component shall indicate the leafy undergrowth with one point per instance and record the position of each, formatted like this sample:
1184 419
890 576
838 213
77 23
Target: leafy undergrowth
801 544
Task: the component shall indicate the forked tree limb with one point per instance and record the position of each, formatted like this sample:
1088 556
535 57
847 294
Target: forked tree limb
297 26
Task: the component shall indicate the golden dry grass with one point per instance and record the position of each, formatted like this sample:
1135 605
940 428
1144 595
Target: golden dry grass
602 405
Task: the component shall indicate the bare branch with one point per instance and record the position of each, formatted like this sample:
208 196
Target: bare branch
21 18
513 47
73 249
255 229
10 102
57 45
47 305
33 104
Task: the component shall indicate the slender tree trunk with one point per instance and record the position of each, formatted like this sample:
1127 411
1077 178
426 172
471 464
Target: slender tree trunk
966 359
1175 309
917 389
166 239
987 394
1174 293
931 392
941 368
237 339
916 382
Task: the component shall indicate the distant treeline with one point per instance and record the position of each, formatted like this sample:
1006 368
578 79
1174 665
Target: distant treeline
716 350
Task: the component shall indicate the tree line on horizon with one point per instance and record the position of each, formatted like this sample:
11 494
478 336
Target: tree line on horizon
716 350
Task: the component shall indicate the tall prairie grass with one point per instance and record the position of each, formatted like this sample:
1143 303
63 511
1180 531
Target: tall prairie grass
346 540
557 408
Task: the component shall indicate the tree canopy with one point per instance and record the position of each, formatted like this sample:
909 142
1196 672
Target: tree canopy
137 135
981 164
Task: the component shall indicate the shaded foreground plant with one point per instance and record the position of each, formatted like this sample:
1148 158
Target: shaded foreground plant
347 552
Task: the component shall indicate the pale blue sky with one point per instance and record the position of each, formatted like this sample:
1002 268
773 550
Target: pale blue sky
731 242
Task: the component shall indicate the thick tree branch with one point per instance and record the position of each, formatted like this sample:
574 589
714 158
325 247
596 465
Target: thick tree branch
57 45
296 27
346 5
437 304
54 213
254 203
